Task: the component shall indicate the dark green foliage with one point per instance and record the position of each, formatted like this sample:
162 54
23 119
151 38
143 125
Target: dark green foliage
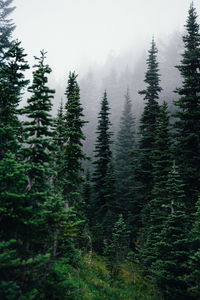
124 145
12 83
103 157
148 125
155 210
143 161
37 132
103 203
6 27
58 142
73 154
87 192
188 116
161 153
14 207
172 248
194 263
112 205
117 247
52 218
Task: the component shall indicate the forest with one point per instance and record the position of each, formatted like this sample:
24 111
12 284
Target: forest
113 214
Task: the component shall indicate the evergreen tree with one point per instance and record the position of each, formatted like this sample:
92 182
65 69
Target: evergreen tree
6 26
12 82
124 145
156 207
73 154
172 250
188 116
49 236
103 156
148 125
37 152
103 176
37 131
117 247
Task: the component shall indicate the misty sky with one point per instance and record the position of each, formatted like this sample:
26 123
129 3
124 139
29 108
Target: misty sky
79 33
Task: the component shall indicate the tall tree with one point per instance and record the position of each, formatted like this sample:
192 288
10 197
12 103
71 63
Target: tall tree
156 207
37 131
124 145
6 26
73 154
12 82
188 116
103 175
148 124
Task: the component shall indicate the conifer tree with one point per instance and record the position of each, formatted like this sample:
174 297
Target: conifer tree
37 131
103 157
172 250
6 27
124 145
117 247
156 207
12 82
148 124
37 153
73 154
188 116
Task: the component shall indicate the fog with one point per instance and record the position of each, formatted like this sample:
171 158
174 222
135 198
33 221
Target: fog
79 33
106 43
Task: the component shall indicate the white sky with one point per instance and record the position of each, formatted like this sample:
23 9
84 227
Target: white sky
77 33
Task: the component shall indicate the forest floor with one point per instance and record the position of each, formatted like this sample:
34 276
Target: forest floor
92 281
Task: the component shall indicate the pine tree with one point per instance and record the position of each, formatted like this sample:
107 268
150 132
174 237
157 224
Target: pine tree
188 116
156 207
73 154
12 82
172 250
103 156
124 145
6 27
148 124
37 152
117 247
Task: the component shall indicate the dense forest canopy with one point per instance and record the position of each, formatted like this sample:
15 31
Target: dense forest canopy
101 200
